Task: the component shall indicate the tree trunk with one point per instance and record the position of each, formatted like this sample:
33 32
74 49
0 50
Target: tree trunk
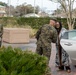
70 27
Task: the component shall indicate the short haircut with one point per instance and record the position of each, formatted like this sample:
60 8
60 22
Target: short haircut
53 19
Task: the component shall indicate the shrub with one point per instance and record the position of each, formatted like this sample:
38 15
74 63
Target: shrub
18 62
34 23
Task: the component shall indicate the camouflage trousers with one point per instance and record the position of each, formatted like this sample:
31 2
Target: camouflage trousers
45 51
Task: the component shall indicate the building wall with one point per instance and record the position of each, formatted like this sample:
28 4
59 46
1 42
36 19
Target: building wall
2 11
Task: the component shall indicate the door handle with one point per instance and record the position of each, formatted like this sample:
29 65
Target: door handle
68 44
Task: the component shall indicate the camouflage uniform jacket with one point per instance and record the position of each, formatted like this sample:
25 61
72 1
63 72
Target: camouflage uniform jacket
1 30
45 35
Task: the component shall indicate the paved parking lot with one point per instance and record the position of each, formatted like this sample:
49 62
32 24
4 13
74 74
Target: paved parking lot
32 46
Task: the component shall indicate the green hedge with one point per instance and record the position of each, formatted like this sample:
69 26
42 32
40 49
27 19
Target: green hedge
18 62
35 23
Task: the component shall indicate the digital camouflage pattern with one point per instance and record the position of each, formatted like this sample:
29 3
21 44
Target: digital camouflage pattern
1 30
45 35
1 33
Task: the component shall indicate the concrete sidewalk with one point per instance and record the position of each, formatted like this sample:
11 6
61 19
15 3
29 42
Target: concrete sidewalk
32 46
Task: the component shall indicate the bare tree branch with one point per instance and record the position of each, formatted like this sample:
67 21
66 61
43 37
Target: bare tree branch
67 5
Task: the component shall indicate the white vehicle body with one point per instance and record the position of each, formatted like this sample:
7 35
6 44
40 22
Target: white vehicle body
68 42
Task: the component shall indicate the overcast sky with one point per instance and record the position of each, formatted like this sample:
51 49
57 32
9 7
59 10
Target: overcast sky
47 5
44 4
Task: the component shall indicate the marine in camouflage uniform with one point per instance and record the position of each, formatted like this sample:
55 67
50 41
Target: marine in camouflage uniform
45 35
1 33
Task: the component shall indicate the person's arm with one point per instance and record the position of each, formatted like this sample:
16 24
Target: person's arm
54 38
38 33
1 31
